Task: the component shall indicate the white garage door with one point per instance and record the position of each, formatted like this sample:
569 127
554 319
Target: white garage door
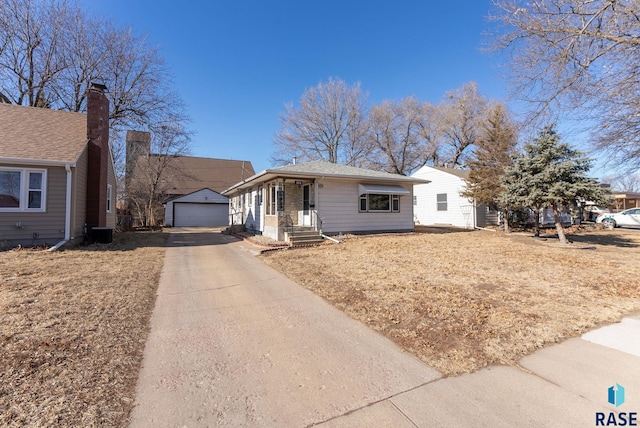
190 214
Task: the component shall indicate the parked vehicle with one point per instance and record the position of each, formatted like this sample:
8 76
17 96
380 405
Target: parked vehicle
591 212
626 218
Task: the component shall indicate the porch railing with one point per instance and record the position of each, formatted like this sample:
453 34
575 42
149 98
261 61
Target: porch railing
318 220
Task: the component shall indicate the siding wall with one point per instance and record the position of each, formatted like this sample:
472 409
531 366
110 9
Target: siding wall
49 225
79 199
338 203
459 211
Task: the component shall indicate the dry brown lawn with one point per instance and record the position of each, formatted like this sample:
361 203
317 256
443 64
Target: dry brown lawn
463 300
73 325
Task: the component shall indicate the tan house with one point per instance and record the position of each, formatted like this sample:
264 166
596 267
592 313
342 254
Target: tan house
322 198
189 187
56 173
625 200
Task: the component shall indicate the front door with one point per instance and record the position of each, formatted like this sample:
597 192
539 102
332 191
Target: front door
306 205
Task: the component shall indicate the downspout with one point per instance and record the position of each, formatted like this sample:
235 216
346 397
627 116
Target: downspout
67 214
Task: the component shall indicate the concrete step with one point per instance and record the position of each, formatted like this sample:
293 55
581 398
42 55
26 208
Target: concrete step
306 237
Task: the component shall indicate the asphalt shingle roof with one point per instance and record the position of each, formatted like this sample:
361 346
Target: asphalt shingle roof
41 134
339 170
188 174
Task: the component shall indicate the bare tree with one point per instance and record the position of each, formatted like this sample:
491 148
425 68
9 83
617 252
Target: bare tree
461 115
400 136
624 183
581 55
51 51
154 173
328 124
30 59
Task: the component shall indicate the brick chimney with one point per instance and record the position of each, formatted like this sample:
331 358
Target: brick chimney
98 151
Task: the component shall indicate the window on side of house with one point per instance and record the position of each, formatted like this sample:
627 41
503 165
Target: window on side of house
415 200
109 197
271 205
376 203
441 199
22 189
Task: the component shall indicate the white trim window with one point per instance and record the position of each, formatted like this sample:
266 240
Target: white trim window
441 201
379 203
109 197
23 189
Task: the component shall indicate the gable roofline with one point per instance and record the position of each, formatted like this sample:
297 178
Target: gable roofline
323 169
191 193
460 173
38 162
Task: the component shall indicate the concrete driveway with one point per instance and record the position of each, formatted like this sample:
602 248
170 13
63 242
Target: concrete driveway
235 343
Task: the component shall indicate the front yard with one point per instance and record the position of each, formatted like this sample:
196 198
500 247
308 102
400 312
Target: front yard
461 300
73 326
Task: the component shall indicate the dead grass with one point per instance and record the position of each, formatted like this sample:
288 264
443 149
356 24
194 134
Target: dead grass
73 325
463 300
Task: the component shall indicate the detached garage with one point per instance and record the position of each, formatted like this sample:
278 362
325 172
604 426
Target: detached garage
201 208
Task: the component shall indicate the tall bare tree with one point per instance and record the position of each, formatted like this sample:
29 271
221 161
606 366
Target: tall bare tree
327 124
51 51
30 50
400 136
624 183
581 55
462 113
154 173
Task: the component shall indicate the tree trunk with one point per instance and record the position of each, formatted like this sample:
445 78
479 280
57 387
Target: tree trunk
559 227
536 220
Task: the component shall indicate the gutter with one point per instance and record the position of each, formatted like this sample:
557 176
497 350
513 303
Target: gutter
38 162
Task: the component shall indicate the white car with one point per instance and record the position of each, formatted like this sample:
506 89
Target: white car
626 218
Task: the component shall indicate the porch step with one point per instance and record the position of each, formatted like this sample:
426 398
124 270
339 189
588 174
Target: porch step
303 237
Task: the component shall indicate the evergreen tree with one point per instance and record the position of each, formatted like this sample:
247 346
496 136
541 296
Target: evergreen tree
550 174
494 152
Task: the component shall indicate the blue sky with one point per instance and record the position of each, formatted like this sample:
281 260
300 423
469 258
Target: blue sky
236 64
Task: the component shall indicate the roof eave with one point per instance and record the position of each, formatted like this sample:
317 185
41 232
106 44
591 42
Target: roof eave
39 162
269 174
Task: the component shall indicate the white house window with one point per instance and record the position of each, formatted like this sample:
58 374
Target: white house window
441 199
415 200
271 206
109 197
379 203
22 189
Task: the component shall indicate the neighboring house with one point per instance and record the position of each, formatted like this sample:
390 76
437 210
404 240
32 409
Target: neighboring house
56 172
190 186
440 202
322 196
625 200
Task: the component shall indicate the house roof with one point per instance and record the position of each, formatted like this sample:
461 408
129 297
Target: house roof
195 173
41 136
461 173
324 169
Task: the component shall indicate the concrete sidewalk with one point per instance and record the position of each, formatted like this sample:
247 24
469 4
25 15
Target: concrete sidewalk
235 343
